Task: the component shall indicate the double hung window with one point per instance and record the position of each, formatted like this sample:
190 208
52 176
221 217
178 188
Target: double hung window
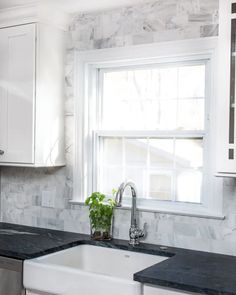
147 114
152 129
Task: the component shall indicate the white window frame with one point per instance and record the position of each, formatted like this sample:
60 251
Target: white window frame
86 93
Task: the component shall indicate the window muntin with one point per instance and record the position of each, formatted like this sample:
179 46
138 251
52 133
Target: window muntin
168 101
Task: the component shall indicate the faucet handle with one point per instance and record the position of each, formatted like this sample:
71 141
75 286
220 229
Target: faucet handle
136 233
143 232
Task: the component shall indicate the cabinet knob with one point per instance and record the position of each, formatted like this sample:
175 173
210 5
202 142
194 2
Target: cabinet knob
1 152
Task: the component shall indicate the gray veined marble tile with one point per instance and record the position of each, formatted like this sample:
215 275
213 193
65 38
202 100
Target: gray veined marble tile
185 229
209 30
143 38
200 17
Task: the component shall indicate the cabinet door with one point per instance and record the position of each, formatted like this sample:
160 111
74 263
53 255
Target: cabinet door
17 79
157 290
226 128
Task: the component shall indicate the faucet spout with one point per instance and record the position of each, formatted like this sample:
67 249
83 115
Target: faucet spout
134 207
134 232
119 195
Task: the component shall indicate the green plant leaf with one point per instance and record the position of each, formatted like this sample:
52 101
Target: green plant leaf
100 211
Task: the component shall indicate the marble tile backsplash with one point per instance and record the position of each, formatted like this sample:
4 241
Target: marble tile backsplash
145 23
22 189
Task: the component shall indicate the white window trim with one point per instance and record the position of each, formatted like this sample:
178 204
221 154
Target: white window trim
87 63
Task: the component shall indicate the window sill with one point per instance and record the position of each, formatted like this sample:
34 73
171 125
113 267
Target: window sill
225 174
200 214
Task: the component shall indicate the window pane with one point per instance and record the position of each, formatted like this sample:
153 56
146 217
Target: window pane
191 114
110 178
192 81
162 98
189 153
168 115
189 184
160 186
162 153
112 154
168 80
138 176
136 152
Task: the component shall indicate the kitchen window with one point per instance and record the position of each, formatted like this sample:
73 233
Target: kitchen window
150 120
152 130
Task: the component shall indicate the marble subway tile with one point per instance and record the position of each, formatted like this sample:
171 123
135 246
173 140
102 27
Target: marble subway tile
209 30
143 38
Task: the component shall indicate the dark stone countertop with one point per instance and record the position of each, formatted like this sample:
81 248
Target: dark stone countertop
186 270
25 242
193 271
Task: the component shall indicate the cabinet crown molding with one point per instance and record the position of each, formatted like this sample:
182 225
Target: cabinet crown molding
34 14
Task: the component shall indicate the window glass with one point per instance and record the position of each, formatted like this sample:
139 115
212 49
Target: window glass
154 98
169 101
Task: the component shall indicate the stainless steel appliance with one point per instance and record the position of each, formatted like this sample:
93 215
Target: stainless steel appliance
11 271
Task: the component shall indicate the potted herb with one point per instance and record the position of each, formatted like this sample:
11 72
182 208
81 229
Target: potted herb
101 216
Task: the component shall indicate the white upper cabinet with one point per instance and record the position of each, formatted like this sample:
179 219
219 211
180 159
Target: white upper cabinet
17 84
226 122
32 95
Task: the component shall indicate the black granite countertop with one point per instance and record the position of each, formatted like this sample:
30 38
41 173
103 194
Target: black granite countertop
193 271
187 270
25 242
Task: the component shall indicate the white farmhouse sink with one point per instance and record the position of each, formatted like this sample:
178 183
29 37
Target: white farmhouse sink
87 270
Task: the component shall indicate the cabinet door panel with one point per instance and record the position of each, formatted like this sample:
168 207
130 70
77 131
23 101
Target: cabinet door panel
3 94
3 120
156 290
17 94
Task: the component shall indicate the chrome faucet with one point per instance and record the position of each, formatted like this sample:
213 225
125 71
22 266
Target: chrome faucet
134 232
